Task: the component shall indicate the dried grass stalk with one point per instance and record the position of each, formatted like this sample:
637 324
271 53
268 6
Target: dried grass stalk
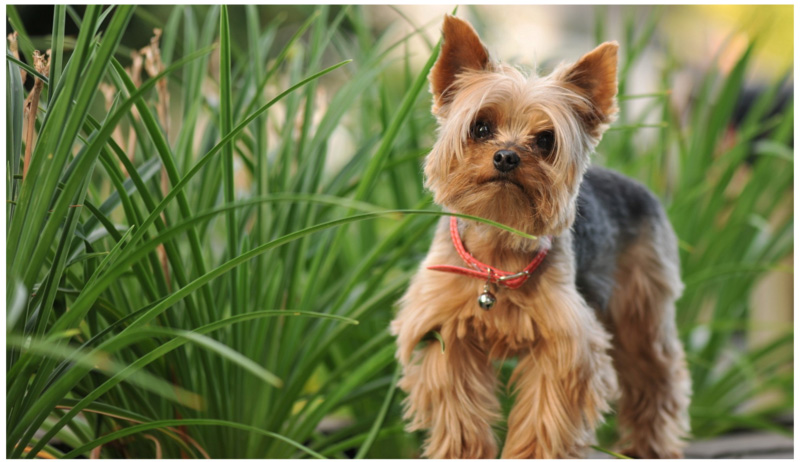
109 92
135 71
153 66
42 65
13 47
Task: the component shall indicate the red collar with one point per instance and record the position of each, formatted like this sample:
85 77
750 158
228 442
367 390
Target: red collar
490 273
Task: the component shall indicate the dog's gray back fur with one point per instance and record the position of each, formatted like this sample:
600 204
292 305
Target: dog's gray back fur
611 213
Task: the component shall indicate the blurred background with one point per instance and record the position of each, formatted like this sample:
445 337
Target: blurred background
706 121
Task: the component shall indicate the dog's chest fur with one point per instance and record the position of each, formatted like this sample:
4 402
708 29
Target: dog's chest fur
610 216
490 329
511 325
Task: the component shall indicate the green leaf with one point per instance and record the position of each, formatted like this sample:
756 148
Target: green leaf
100 361
59 388
56 49
233 356
184 423
373 433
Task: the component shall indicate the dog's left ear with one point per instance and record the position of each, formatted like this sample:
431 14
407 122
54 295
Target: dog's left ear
462 50
595 77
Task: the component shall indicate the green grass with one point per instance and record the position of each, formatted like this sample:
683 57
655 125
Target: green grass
266 312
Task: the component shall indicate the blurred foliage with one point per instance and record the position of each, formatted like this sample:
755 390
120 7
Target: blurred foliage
773 25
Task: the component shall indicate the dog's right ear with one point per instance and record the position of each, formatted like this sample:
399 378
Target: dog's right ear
462 50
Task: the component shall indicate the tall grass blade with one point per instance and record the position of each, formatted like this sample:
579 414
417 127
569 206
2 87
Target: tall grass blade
57 48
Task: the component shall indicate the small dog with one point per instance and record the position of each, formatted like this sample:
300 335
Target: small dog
591 309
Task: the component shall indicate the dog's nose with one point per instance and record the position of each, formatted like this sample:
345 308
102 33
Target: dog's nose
505 160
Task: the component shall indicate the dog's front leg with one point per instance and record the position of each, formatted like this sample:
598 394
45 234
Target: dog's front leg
451 394
562 384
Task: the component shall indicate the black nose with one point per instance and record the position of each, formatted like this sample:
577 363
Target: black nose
505 160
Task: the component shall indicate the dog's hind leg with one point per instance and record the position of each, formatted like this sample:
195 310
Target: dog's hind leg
648 356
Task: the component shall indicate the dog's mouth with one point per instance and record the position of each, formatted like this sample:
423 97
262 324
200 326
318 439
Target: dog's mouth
503 180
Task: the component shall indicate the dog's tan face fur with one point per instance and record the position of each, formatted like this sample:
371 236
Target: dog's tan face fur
552 122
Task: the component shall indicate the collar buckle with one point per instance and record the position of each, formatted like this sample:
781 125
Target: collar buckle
523 273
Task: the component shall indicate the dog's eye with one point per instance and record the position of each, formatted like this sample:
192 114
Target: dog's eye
545 141
481 130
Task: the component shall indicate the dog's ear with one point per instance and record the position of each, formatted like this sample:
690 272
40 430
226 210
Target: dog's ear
462 50
594 76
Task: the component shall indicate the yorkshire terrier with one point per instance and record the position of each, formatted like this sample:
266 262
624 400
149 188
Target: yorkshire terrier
588 307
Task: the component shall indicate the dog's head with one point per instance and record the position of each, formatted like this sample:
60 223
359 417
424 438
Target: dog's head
511 147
